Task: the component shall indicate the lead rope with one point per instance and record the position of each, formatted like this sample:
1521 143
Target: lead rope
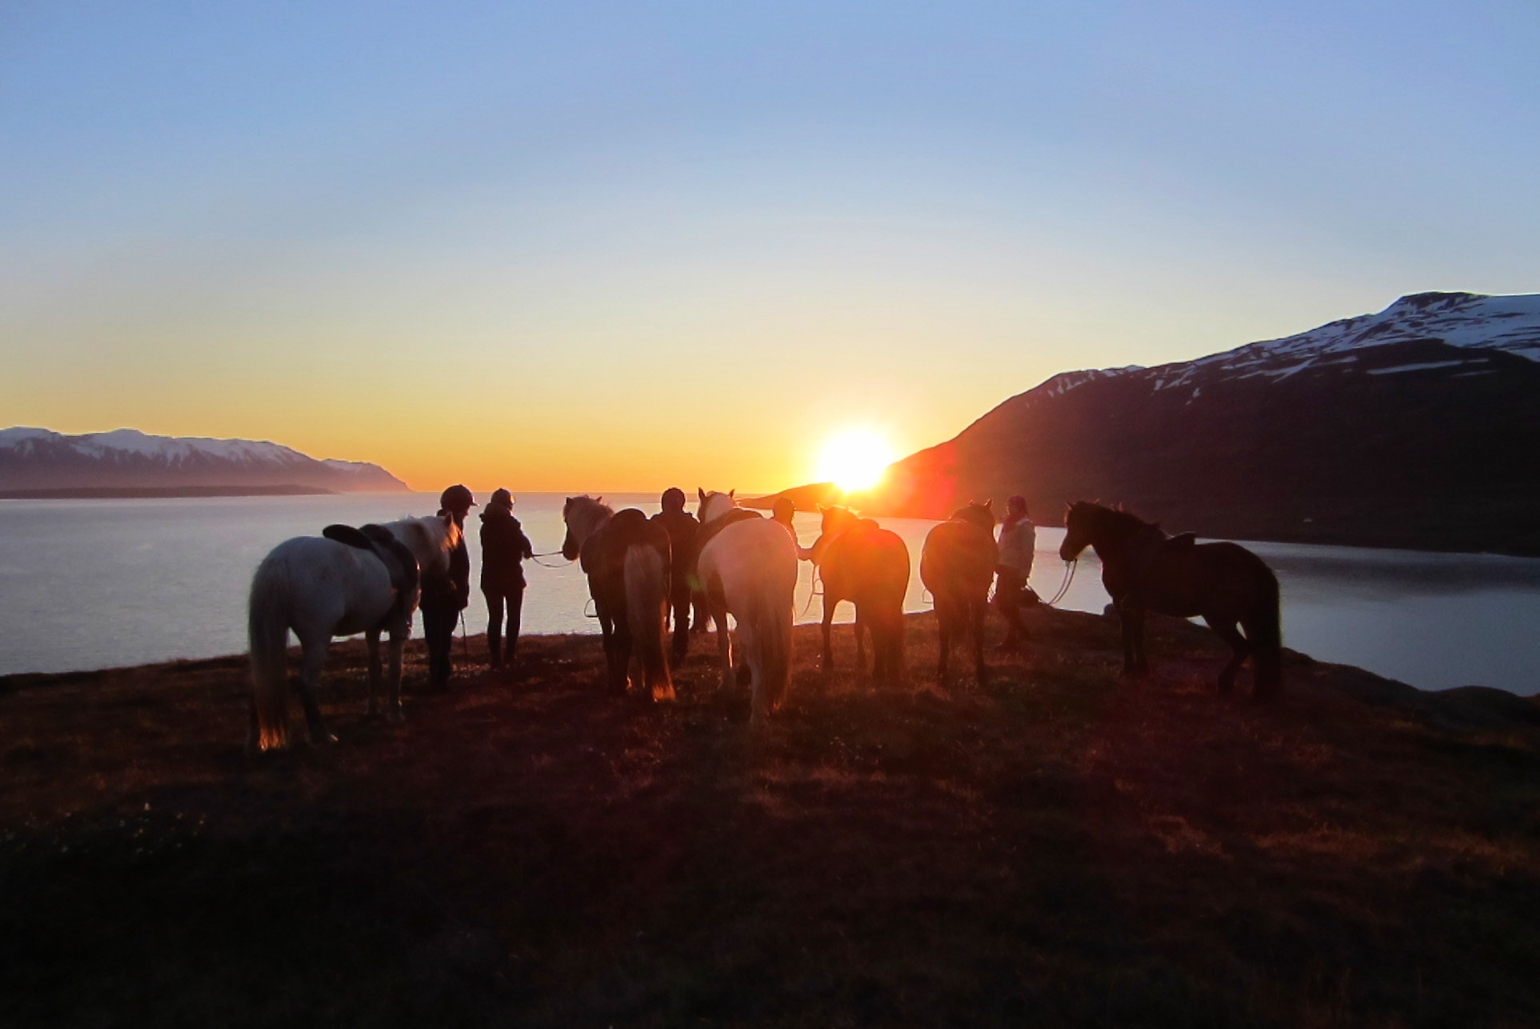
553 553
1069 577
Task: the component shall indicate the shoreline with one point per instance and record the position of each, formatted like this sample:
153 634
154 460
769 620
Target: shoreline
164 492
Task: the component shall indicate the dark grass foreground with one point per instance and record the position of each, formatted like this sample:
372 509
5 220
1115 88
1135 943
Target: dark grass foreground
1059 848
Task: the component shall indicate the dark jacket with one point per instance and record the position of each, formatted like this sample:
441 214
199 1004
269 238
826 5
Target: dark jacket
504 547
681 527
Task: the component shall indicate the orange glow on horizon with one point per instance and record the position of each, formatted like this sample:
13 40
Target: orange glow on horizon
855 459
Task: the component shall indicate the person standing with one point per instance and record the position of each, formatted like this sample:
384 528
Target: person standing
443 598
681 527
1018 544
504 549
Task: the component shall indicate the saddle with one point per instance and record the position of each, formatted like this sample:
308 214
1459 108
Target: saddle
399 561
1143 556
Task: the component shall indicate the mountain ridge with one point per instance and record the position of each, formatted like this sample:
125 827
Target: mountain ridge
36 459
1415 427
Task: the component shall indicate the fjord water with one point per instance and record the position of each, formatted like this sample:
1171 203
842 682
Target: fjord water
88 584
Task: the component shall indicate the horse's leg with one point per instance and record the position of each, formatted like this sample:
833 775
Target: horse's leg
372 643
718 610
311 663
1238 645
943 639
397 644
829 604
980 607
863 629
1131 620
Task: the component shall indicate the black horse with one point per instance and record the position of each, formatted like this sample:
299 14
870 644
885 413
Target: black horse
1146 570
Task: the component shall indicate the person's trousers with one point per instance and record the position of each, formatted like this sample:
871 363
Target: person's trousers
497 601
438 629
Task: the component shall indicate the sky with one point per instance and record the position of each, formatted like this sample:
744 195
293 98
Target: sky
575 246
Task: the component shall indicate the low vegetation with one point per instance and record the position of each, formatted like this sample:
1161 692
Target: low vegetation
1059 847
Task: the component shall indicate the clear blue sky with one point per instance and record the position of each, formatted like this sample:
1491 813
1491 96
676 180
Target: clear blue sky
614 245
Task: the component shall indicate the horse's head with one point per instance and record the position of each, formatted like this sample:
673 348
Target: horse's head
982 515
1095 525
837 519
1078 523
714 505
582 516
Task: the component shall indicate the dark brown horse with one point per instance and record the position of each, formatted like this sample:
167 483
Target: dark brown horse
957 564
863 563
626 557
1146 570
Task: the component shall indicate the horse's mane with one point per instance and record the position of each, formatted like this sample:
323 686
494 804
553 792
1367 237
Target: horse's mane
706 498
429 538
1113 518
975 513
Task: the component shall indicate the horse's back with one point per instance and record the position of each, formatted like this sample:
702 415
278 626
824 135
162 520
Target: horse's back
751 554
331 587
868 561
1188 579
957 556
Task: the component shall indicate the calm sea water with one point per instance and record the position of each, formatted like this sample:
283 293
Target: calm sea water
90 584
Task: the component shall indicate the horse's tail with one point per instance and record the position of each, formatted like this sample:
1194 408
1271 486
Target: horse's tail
1265 633
770 616
267 632
647 590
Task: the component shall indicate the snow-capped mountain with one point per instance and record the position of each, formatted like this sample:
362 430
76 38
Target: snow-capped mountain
33 458
1418 426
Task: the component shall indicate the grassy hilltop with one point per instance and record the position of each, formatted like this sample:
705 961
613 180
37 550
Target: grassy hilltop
1060 847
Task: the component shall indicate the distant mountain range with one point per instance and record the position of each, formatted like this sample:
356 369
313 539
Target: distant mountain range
125 461
1418 427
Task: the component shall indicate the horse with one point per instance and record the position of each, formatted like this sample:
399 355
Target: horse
321 588
1144 569
957 564
626 557
868 565
748 567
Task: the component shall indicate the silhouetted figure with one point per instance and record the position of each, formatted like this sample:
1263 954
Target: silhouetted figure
443 598
681 527
504 548
1018 543
783 510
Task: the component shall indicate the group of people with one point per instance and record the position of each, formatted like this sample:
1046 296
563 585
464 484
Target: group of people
505 548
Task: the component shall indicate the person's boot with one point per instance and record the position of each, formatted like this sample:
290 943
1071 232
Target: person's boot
495 648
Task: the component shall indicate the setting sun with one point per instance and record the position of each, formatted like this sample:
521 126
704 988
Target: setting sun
854 460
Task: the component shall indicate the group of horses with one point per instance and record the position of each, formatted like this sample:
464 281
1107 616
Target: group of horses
742 566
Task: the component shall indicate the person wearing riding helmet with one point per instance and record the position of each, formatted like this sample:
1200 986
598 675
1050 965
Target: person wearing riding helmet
444 597
504 548
681 527
1018 542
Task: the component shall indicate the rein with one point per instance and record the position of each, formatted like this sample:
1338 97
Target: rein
1069 577
550 553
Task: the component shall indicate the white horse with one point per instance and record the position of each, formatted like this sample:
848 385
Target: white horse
748 569
321 588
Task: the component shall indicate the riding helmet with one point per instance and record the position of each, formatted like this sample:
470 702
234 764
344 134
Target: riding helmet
456 498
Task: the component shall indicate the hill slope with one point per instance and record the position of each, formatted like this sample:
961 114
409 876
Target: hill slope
1417 427
38 459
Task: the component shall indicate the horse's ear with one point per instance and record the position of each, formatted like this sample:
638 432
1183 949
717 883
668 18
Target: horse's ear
822 509
700 493
732 491
599 499
990 504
